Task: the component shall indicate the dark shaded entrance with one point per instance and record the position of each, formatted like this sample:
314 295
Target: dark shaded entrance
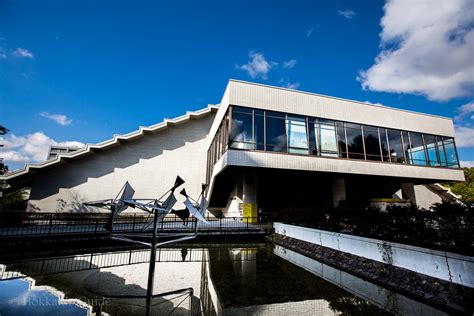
280 189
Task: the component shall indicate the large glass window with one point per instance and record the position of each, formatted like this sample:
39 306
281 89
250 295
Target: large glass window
396 146
372 144
276 132
241 131
384 144
341 139
326 135
417 150
254 129
297 137
431 150
355 142
451 155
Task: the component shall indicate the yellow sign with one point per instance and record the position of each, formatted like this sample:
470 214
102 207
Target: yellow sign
250 211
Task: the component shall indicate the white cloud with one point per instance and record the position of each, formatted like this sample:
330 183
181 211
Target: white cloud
13 156
289 64
466 164
29 148
464 111
23 52
3 53
309 32
257 66
285 82
58 118
376 103
427 49
348 14
292 85
464 136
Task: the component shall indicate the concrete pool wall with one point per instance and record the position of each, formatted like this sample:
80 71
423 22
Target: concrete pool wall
443 265
375 294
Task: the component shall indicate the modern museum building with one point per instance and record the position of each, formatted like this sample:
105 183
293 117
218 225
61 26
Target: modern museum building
261 147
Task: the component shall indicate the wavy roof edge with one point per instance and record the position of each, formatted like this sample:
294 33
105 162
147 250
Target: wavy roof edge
89 148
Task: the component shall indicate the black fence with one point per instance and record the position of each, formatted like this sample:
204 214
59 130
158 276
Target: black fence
72 263
49 224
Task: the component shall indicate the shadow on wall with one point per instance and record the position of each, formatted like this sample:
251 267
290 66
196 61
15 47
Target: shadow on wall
75 172
73 205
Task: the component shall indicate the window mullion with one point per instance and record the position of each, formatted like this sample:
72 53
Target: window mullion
380 144
363 141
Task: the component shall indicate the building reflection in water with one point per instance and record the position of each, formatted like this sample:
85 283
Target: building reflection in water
244 264
230 279
274 281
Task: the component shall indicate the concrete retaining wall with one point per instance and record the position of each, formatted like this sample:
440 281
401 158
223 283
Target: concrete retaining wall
439 264
386 299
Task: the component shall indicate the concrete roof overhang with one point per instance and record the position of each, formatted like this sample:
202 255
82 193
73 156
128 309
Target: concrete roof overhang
343 167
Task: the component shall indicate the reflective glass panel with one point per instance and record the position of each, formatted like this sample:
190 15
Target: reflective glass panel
241 131
396 147
417 150
406 146
313 146
431 150
297 138
326 134
354 141
372 144
442 154
384 144
450 150
259 130
276 132
341 140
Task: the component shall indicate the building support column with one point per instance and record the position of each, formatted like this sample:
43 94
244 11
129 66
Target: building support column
249 197
243 198
249 188
338 191
408 192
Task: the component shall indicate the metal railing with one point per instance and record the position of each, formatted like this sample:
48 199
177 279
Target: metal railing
49 224
72 263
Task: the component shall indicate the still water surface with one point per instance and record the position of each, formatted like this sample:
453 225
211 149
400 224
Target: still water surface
230 279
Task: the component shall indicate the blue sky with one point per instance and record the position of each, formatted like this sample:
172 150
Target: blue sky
81 71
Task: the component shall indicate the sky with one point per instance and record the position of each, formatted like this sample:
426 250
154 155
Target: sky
77 72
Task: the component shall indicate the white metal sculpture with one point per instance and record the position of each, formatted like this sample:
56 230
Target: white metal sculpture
157 208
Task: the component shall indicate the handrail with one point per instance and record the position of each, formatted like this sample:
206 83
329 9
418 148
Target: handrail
49 224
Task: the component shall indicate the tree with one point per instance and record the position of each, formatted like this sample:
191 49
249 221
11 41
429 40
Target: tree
14 201
3 167
3 131
466 188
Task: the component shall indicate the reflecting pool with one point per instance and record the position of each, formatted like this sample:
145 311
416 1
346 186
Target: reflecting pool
251 278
